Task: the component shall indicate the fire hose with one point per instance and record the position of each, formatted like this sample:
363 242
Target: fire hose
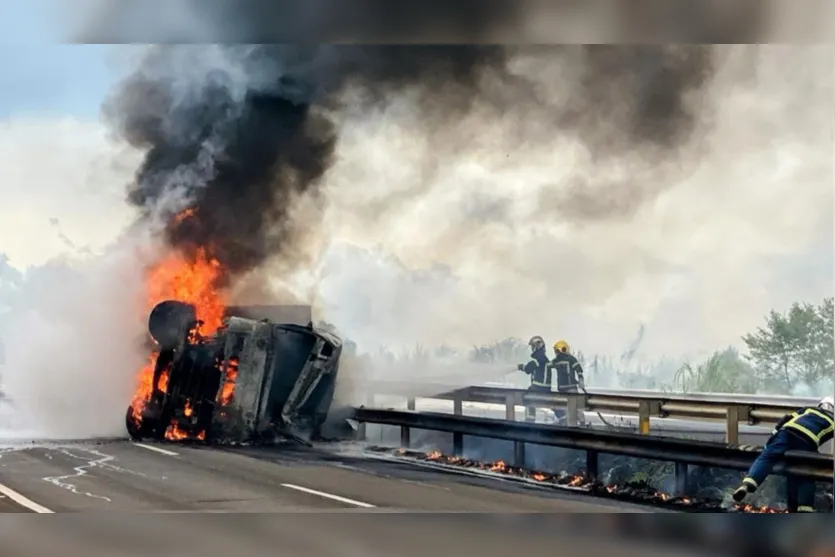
582 386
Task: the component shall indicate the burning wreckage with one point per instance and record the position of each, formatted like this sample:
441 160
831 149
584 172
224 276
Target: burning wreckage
254 379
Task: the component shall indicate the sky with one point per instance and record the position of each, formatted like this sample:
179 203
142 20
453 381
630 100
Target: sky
59 173
44 77
65 80
56 162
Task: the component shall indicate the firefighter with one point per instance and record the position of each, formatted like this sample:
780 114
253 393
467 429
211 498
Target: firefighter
537 367
569 371
804 430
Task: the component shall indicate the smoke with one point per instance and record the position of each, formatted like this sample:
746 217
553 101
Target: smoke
821 389
254 130
69 324
424 194
458 194
72 345
564 236
263 144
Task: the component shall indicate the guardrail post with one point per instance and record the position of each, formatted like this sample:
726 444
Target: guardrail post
732 425
510 415
410 403
457 438
458 405
643 416
592 465
510 407
361 433
405 437
530 414
791 495
457 444
572 410
682 486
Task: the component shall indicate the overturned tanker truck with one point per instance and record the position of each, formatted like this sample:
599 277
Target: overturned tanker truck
261 376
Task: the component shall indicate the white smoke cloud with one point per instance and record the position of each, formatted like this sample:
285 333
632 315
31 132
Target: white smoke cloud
73 307
473 247
72 345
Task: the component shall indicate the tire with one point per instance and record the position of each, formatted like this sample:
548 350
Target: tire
135 431
142 431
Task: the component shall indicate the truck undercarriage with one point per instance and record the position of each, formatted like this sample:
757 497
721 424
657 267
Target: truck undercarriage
250 381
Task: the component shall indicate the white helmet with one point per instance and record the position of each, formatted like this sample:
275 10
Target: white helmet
827 403
536 343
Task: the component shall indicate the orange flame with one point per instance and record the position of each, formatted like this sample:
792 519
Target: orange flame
191 280
574 481
144 389
498 466
174 433
162 384
228 388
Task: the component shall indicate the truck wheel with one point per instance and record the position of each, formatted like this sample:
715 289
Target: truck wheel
134 429
144 430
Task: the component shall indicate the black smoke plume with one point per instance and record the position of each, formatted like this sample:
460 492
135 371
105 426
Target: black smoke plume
238 133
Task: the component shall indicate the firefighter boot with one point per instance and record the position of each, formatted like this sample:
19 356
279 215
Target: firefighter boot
742 491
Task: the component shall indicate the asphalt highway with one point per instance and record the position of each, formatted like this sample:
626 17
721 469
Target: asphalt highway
125 476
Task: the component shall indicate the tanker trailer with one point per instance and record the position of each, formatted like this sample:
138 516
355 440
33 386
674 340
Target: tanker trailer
253 380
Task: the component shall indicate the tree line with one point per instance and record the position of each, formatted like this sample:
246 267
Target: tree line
791 353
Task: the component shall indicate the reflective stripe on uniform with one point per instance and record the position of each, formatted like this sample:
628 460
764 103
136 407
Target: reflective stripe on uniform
816 438
821 415
805 509
751 482
538 384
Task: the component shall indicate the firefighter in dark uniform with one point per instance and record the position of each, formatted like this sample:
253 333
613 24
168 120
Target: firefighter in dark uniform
569 371
537 367
804 430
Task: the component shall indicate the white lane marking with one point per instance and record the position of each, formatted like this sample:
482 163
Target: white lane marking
156 449
23 501
329 496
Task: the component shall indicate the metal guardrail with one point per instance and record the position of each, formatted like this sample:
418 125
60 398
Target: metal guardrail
733 410
683 453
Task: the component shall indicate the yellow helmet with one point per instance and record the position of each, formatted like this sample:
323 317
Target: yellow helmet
561 346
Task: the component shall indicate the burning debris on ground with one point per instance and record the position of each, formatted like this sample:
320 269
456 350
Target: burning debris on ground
640 492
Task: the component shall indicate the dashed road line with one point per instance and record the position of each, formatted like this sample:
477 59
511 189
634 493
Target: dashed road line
156 449
329 496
